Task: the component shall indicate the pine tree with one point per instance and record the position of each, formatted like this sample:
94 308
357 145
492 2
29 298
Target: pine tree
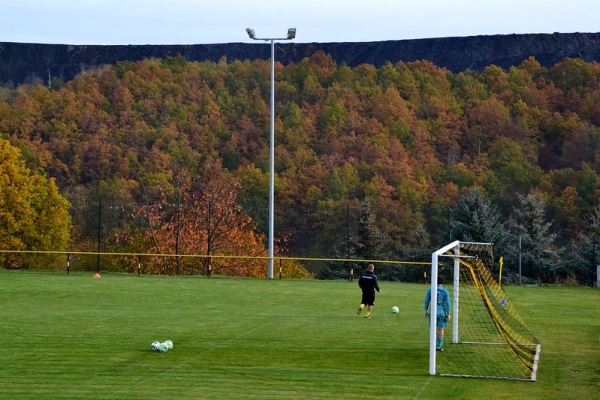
370 240
475 219
584 252
538 253
368 244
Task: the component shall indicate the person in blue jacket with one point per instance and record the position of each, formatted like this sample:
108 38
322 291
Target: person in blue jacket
443 311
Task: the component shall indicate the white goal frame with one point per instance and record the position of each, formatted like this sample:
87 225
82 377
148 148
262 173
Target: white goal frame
453 250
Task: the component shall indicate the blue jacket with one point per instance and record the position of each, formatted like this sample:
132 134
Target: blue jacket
443 301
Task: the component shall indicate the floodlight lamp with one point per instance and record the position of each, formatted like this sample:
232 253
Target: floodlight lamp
291 33
251 33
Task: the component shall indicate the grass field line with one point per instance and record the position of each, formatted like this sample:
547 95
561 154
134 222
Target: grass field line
222 344
423 388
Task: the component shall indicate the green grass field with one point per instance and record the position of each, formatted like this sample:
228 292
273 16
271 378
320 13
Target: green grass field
77 337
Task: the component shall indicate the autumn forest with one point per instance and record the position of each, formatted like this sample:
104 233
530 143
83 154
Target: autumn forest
390 163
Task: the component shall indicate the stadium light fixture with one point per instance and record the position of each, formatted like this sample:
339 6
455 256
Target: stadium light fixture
291 34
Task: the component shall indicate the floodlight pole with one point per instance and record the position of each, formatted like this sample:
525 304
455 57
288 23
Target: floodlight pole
290 35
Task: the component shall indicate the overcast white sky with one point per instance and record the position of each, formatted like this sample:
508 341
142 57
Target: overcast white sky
224 21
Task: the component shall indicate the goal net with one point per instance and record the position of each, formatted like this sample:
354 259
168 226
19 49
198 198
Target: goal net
486 338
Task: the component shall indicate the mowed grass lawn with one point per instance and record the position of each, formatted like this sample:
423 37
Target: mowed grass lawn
77 337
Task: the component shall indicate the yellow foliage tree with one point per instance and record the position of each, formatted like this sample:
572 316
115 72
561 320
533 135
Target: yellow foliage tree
33 215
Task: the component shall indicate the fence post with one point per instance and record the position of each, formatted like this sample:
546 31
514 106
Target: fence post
99 233
68 263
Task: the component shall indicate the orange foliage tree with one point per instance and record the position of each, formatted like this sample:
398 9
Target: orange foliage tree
199 227
204 220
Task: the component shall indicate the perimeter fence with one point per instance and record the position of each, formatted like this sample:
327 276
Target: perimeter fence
331 242
193 264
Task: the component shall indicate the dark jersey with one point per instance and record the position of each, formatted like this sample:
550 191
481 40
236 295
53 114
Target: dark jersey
368 282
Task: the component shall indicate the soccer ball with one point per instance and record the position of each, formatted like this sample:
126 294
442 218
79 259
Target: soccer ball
395 310
163 348
169 344
155 346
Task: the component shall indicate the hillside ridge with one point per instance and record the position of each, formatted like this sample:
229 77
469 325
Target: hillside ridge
25 62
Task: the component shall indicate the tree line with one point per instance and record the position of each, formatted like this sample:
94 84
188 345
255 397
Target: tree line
504 156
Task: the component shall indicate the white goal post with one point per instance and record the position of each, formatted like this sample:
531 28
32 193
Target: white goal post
454 246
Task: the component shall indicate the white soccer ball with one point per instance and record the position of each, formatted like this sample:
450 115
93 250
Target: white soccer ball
163 348
155 346
169 344
395 310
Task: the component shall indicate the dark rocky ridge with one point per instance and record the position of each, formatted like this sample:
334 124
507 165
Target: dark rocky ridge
23 62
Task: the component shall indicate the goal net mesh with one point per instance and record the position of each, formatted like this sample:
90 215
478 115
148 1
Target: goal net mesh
488 339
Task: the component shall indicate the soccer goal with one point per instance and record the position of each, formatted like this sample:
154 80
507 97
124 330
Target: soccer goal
486 337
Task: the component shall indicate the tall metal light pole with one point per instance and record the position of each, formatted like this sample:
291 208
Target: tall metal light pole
290 35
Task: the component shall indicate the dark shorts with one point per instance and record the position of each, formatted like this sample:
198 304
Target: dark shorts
368 298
